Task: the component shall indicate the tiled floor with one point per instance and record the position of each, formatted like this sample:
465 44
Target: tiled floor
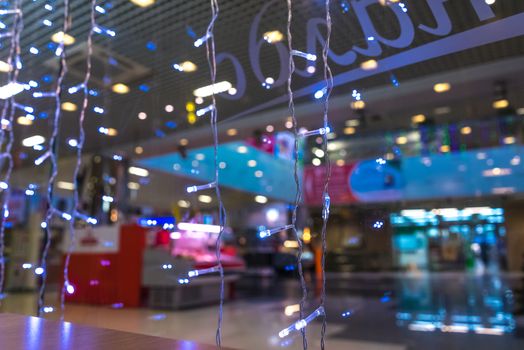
378 303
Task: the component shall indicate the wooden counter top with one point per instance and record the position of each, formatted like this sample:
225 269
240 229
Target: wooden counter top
19 332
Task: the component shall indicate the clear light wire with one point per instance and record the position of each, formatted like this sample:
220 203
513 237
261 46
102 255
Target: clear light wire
53 147
79 149
14 54
211 59
298 195
326 202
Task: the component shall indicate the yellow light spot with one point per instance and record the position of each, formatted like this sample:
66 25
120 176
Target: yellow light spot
466 130
273 36
69 106
419 118
143 3
441 87
191 118
349 130
499 104
66 38
402 140
232 132
369 65
120 88
190 107
358 105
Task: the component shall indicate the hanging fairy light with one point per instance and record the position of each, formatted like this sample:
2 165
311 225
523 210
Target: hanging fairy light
8 112
67 286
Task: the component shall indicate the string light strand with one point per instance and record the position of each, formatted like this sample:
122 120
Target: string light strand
326 200
291 106
53 148
14 54
79 150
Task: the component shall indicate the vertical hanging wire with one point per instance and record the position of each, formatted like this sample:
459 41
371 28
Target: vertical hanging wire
211 59
328 78
53 149
14 55
298 196
79 149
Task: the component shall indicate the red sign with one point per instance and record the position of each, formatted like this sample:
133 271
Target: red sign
339 190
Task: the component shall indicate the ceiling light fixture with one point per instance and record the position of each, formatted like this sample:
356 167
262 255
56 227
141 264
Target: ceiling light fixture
349 130
358 104
205 198
369 65
186 66
59 37
120 88
11 89
33 141
24 120
232 132
143 3
216 88
441 87
69 106
142 116
133 170
65 185
501 104
273 36
419 118
261 199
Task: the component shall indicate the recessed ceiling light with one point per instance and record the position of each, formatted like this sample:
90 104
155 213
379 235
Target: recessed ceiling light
209 90
259 173
183 204
33 141
490 2
402 140
139 150
316 162
273 36
205 198
186 66
465 130
65 185
142 115
120 88
349 130
200 156
184 142
169 108
441 87
369 65
358 104
66 38
199 100
251 163
5 67
133 170
24 120
108 131
500 104
232 132
143 3
242 149
69 106
341 162
10 90
419 118
133 185
261 199
520 111
270 128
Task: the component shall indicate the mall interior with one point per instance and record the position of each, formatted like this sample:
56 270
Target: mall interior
262 174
